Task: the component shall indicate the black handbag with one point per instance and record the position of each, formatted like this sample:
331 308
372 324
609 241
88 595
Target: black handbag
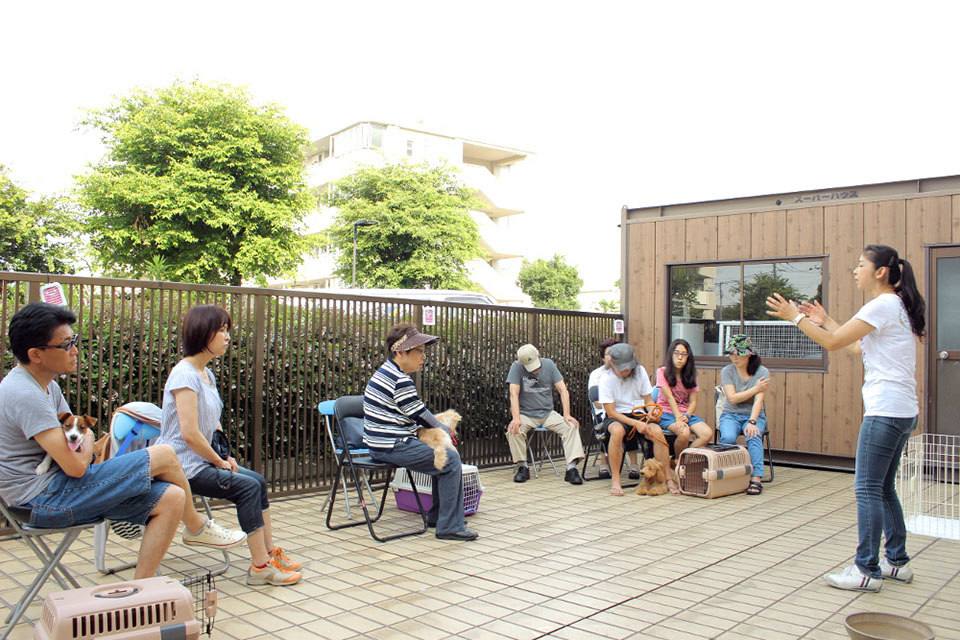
220 444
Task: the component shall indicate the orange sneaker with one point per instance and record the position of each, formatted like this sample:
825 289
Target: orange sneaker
272 574
284 561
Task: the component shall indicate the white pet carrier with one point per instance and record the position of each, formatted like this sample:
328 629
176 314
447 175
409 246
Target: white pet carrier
403 492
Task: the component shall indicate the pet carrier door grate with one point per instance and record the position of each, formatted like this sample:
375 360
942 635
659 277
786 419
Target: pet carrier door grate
928 484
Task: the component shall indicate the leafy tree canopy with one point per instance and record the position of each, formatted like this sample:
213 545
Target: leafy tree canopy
198 185
552 284
35 235
424 234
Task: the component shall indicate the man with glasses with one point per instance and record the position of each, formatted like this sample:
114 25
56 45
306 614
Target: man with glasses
144 487
532 380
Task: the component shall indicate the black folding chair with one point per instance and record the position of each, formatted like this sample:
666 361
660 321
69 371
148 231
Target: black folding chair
348 411
19 519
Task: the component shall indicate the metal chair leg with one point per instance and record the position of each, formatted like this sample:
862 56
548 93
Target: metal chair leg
226 556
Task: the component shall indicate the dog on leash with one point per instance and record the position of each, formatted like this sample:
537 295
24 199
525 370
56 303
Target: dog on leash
74 428
438 439
654 481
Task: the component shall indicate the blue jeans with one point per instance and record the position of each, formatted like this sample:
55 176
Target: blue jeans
879 447
732 425
119 489
447 489
244 488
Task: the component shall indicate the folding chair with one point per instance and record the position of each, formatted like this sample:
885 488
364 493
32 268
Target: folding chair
326 410
535 436
768 451
348 424
19 519
134 426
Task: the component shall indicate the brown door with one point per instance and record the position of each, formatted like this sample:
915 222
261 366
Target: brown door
943 341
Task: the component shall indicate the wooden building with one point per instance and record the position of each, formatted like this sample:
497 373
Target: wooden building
687 267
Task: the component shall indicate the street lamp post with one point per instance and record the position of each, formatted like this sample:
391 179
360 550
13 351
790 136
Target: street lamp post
358 223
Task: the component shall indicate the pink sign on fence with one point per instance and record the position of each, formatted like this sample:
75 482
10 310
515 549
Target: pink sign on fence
53 293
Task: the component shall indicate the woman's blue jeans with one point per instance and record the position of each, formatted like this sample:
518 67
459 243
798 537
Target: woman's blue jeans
879 447
447 483
733 425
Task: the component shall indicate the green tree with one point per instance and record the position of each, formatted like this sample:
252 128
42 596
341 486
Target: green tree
424 234
552 284
762 285
197 181
35 235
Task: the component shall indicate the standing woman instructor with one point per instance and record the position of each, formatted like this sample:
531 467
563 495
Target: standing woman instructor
886 327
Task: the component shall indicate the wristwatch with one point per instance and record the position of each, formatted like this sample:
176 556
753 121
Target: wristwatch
752 421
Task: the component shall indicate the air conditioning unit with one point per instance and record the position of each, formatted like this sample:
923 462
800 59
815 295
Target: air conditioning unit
160 608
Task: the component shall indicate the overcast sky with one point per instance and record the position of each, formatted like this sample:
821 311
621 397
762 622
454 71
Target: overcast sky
623 103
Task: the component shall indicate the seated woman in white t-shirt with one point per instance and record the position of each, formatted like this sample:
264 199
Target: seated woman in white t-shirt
633 471
623 387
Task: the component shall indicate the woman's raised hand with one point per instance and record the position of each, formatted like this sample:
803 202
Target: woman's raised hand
782 308
814 310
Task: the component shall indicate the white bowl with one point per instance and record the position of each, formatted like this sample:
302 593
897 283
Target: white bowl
885 626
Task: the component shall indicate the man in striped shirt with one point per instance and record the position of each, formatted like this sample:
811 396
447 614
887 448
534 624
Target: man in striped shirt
393 412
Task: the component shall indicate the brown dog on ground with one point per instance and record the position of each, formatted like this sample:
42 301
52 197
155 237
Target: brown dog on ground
438 439
654 479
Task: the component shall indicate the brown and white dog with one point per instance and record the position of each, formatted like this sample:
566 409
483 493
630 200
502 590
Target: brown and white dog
437 439
74 428
654 481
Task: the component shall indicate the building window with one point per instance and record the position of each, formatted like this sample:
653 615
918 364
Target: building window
711 302
409 148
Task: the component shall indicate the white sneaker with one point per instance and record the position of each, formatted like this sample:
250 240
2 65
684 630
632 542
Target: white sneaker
213 535
900 574
852 579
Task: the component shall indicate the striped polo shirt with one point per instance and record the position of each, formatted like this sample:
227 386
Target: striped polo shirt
390 407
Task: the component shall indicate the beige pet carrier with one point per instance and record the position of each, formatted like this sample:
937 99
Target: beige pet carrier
715 470
160 608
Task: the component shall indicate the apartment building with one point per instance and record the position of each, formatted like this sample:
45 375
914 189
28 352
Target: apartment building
491 170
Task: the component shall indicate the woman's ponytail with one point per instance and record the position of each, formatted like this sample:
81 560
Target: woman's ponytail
902 280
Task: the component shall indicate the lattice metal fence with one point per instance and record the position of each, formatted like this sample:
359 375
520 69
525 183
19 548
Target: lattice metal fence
772 339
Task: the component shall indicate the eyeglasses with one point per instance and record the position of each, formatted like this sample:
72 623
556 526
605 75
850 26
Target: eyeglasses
66 346
680 353
422 352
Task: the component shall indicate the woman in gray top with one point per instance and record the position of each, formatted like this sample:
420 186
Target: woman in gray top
191 417
744 386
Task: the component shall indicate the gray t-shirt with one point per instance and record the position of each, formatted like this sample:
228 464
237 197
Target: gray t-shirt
26 409
536 391
729 375
209 406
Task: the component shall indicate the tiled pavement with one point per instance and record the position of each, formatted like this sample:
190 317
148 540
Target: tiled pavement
558 561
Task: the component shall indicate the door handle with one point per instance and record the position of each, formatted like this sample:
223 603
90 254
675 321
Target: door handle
943 355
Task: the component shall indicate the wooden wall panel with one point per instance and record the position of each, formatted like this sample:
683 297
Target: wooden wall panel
803 408
773 406
956 219
701 239
733 237
642 244
929 221
671 241
805 231
842 407
768 234
884 223
707 380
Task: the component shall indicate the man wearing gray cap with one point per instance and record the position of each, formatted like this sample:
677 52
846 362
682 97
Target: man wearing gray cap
532 380
624 386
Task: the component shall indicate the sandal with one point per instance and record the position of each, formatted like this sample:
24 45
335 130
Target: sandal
673 488
755 488
616 491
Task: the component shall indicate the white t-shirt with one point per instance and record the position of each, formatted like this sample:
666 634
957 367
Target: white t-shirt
594 381
889 359
625 394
